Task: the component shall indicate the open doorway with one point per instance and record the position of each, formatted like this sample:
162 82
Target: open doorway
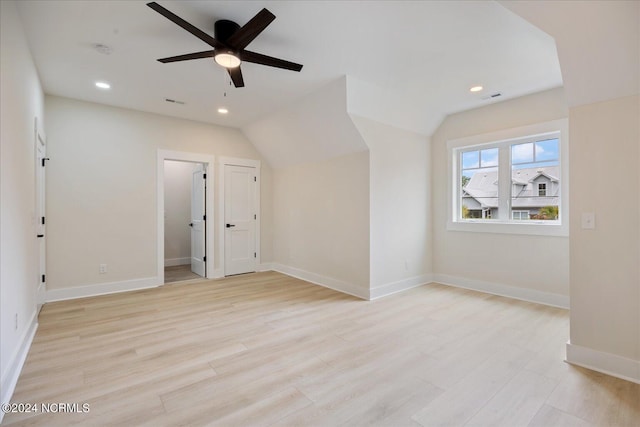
208 161
184 220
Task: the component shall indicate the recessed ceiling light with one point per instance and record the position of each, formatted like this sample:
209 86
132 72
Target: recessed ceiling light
103 85
222 110
476 89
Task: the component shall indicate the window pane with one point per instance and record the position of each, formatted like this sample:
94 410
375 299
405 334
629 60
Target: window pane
547 150
535 178
479 195
489 157
522 153
531 196
470 160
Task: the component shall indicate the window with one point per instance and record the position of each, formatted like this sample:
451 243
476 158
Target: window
519 215
542 190
510 184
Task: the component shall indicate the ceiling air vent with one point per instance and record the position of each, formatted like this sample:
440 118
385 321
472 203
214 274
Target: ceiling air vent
492 96
173 101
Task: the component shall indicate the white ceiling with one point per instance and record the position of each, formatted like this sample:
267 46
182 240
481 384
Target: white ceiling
427 53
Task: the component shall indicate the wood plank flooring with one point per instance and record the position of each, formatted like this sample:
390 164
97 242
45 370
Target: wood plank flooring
269 350
178 273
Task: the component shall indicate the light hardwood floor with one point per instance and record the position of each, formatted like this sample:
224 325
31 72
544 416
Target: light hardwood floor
179 273
267 349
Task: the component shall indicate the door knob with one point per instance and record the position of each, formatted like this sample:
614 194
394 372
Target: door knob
40 235
230 225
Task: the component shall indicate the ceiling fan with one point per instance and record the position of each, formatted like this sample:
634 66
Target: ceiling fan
229 43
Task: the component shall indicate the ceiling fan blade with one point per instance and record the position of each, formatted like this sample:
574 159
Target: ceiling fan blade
188 56
187 26
249 31
258 58
236 76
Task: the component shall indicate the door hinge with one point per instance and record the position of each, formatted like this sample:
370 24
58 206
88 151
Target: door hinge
254 255
204 176
42 220
43 277
255 179
204 258
204 217
254 217
44 159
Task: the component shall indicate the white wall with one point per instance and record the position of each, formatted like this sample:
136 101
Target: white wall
605 272
21 101
400 231
601 70
538 263
177 211
321 222
102 187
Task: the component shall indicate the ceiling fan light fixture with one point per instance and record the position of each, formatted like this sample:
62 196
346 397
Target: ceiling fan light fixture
227 60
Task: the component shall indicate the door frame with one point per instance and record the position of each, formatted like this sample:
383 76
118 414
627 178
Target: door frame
209 161
234 161
40 211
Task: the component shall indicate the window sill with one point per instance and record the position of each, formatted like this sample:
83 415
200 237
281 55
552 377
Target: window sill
532 228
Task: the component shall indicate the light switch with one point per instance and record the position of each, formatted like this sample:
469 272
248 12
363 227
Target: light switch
588 220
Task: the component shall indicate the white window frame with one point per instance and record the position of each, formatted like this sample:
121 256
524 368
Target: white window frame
519 212
505 224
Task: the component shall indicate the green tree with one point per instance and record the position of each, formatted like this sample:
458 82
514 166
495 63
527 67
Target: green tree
465 212
549 212
465 181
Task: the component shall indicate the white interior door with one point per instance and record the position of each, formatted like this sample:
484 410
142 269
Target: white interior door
240 219
41 158
198 221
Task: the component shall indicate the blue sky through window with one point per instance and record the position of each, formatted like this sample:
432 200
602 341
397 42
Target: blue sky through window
479 160
535 154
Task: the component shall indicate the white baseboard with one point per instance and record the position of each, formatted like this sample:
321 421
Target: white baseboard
10 378
399 286
101 289
524 294
327 282
218 273
607 363
172 262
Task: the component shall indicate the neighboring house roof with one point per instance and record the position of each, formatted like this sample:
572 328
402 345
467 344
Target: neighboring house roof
483 187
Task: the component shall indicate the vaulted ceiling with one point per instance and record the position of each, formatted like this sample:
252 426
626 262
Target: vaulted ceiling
409 63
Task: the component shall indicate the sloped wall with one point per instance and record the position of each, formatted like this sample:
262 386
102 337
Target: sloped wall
314 129
351 194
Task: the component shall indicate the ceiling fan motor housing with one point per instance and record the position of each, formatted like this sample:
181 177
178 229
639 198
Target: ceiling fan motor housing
223 29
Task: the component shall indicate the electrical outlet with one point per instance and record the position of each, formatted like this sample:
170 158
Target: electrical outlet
103 268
